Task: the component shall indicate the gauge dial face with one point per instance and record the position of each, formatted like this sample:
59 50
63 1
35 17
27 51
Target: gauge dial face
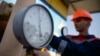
37 26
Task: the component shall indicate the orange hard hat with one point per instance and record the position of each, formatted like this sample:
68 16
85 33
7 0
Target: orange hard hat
81 13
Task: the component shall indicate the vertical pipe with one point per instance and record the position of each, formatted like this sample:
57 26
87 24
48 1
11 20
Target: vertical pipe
9 46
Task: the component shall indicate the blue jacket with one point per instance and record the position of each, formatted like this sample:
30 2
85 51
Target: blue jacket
77 45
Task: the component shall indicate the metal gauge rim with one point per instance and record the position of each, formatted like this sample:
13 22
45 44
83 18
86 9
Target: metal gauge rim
62 31
19 22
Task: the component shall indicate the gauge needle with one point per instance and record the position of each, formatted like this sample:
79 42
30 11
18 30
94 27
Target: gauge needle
40 34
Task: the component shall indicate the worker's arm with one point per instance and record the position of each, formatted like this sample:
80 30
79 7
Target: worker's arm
59 43
69 48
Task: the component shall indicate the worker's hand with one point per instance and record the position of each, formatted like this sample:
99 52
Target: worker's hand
66 38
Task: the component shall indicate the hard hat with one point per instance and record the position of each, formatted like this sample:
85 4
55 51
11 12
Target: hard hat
81 13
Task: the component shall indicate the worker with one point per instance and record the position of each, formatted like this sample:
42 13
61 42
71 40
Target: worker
82 45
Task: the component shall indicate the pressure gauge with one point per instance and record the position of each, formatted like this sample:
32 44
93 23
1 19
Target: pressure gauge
64 31
33 26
